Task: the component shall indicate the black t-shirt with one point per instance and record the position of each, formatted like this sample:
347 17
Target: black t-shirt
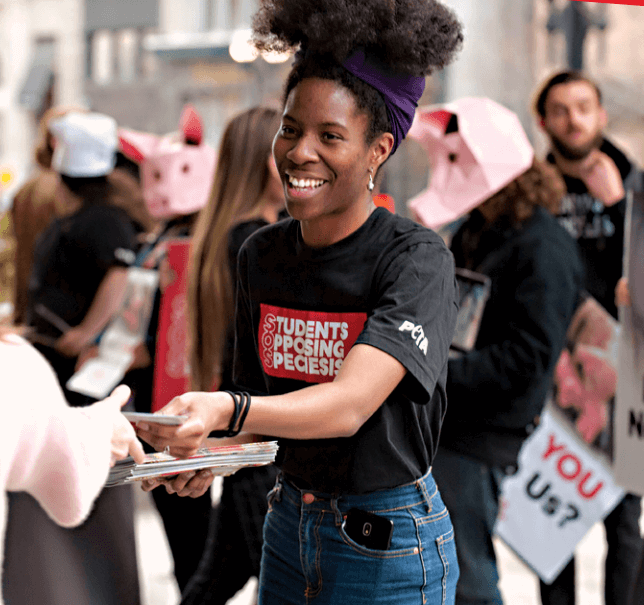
236 237
599 231
72 257
391 285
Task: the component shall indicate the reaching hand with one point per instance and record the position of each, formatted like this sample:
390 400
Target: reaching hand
207 412
124 439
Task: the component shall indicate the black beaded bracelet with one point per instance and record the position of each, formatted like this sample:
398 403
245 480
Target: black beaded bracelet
242 405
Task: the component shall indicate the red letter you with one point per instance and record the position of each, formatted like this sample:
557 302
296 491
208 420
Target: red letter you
552 448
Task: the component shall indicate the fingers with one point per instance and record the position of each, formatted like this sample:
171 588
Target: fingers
180 449
190 484
136 450
120 395
148 485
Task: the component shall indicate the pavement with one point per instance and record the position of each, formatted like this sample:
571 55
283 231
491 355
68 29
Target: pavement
519 586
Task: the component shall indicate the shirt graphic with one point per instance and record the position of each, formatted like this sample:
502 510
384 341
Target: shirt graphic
583 216
306 345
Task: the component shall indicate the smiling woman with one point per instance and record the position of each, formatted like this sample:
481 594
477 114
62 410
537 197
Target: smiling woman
344 316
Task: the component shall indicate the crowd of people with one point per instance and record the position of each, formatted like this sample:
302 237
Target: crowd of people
326 317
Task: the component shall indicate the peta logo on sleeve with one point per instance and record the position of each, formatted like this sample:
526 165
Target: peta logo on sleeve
306 345
417 334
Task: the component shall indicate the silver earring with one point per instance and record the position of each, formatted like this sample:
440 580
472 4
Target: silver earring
371 185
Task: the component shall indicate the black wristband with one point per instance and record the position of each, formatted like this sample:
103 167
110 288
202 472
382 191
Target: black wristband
242 405
230 431
244 412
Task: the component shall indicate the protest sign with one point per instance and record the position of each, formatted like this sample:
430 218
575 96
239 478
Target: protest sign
629 410
585 378
171 370
560 491
565 482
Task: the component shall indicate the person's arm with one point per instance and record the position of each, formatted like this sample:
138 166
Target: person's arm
106 302
60 455
332 409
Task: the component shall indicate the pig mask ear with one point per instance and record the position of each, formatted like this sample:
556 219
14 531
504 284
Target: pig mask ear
190 126
137 145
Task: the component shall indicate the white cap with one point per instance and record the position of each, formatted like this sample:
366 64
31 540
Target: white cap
85 144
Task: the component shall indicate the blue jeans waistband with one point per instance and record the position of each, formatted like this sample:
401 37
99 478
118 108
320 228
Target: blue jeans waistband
384 500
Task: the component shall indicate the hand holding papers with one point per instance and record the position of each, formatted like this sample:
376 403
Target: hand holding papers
223 460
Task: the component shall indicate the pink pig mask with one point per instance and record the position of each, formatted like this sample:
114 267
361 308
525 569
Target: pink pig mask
176 170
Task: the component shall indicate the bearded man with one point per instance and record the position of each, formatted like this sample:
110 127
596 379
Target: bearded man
597 175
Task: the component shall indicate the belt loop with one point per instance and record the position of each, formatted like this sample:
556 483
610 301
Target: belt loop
423 490
275 495
336 511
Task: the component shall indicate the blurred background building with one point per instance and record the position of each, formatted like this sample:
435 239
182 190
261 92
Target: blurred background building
141 61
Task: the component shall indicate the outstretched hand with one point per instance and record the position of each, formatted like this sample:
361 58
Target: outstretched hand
206 412
124 439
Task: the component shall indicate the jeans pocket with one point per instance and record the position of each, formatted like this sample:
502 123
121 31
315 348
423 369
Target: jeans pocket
403 543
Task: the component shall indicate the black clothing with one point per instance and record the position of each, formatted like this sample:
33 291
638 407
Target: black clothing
236 237
72 257
599 229
390 284
498 389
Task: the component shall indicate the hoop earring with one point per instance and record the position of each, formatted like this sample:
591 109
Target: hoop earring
371 184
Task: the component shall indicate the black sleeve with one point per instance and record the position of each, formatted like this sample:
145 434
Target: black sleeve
247 370
530 332
108 237
415 315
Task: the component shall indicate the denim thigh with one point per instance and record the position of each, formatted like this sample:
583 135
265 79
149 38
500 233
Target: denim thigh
309 558
471 491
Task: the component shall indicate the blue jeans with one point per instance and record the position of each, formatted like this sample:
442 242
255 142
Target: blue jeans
471 490
308 558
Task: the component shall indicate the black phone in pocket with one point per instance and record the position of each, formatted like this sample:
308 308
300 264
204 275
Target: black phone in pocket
368 529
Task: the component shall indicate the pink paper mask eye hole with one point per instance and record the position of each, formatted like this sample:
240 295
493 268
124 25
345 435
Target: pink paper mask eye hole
186 168
157 175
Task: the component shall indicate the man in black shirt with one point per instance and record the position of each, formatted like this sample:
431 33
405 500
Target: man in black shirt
597 175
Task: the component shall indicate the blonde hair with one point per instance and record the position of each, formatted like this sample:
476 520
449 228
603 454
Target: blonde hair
240 181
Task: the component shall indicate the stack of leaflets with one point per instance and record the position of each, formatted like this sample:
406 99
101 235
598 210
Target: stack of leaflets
222 460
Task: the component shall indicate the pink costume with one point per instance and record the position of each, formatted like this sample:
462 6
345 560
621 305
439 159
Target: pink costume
59 455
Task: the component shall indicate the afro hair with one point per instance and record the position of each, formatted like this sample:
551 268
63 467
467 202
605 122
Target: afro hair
412 37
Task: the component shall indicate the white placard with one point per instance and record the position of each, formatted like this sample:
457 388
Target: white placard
125 332
560 491
629 408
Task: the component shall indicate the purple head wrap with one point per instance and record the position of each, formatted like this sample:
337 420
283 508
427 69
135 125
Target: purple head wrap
401 93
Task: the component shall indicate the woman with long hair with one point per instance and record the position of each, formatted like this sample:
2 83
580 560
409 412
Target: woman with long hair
246 195
344 316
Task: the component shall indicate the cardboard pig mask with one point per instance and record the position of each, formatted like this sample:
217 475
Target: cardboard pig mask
176 170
